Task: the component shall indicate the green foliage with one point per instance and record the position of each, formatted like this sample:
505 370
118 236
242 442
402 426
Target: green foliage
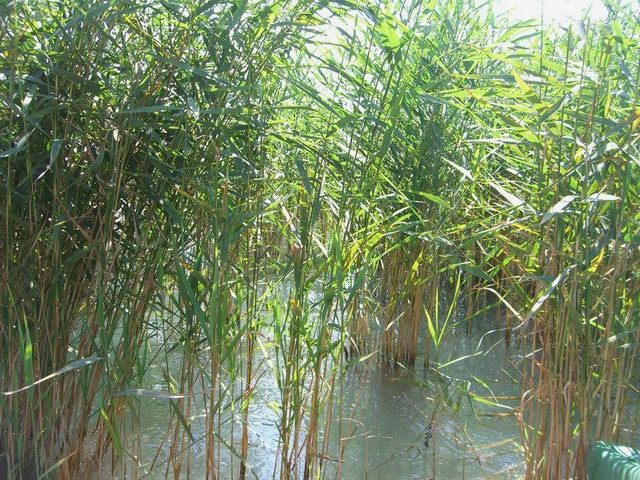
191 171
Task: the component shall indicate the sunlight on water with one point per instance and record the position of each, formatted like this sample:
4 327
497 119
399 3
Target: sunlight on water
402 424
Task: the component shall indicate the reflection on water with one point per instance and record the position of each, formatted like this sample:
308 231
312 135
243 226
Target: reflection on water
394 424
409 425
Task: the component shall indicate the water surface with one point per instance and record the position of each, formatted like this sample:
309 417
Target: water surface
395 424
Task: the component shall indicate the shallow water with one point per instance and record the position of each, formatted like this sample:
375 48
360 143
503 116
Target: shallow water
395 412
385 418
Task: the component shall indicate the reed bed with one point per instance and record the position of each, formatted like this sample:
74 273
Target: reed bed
297 187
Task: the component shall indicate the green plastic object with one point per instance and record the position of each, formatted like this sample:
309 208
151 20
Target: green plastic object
607 461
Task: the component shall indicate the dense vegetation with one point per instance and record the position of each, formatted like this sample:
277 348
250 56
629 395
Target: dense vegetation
191 170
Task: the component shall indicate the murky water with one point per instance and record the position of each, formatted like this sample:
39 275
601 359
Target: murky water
401 424
415 426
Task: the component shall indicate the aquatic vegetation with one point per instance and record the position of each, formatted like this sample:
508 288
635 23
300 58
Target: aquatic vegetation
209 194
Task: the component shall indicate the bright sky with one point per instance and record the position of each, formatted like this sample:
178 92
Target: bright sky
555 11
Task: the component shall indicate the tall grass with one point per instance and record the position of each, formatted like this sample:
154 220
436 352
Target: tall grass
179 178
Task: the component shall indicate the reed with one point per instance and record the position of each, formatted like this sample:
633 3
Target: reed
219 192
